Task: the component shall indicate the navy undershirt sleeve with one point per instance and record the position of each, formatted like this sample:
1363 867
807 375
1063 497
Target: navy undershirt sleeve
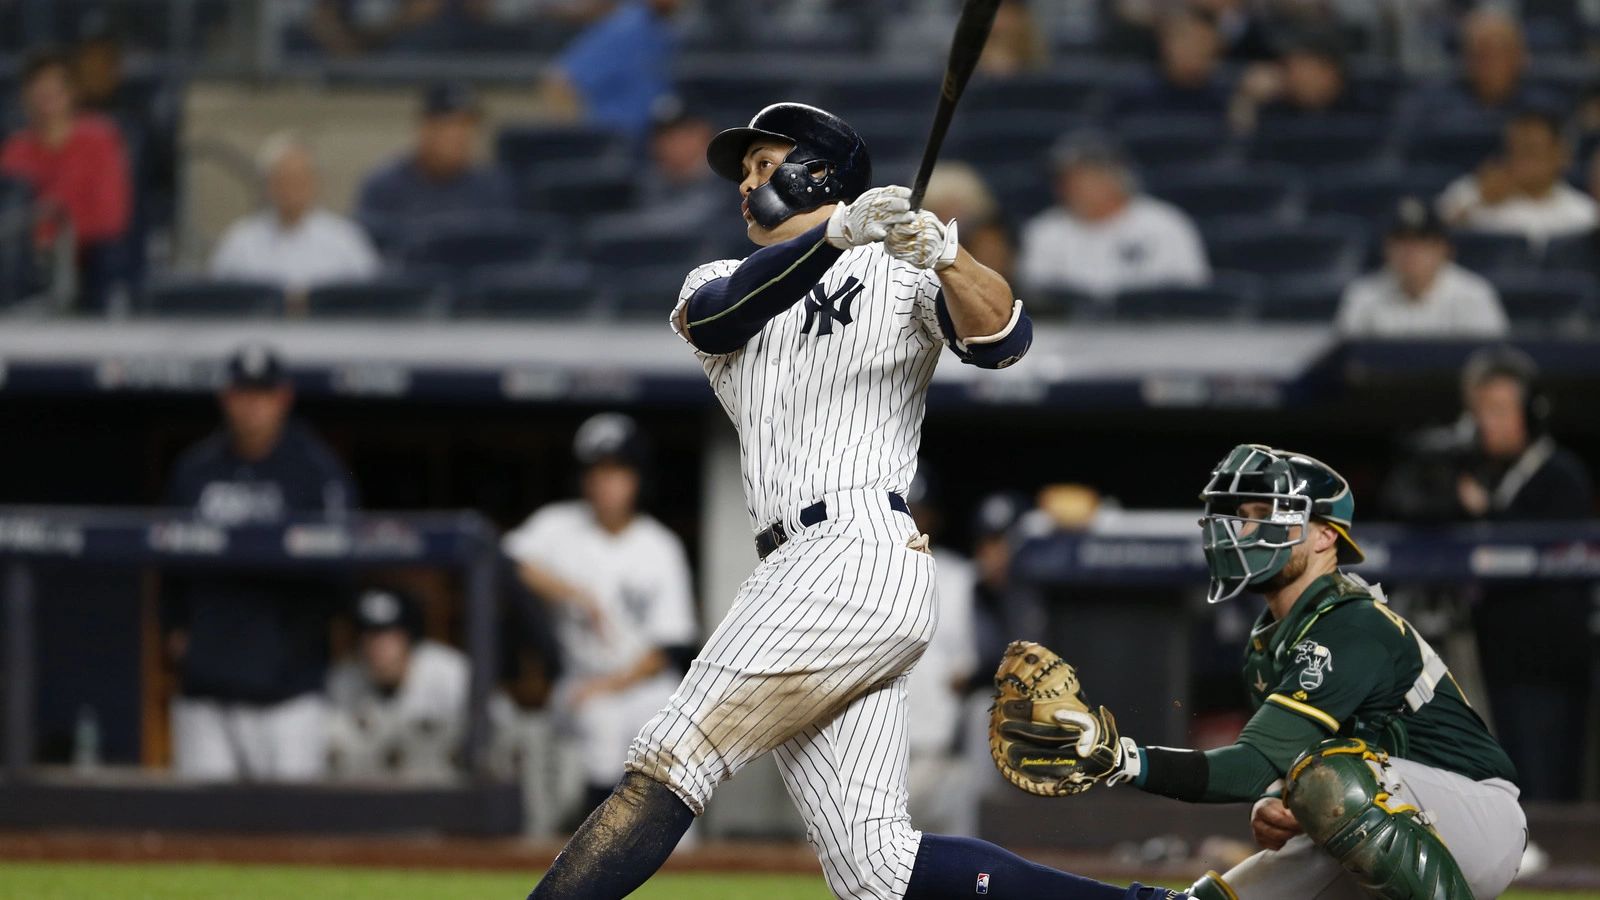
726 312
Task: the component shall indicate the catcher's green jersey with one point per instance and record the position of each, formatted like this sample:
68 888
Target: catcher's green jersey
1343 660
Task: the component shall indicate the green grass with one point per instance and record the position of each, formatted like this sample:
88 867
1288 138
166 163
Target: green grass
104 881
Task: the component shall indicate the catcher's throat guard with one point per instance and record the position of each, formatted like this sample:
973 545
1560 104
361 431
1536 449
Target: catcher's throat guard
1244 551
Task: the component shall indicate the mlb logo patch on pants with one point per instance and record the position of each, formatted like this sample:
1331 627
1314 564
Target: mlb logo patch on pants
983 883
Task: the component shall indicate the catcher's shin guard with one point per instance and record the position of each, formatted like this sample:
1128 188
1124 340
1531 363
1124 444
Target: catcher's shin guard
1336 792
1211 887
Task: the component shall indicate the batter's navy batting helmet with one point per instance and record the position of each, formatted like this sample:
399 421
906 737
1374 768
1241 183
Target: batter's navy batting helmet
829 162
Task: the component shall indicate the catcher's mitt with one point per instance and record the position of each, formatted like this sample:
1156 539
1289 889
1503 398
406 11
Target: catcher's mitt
1044 737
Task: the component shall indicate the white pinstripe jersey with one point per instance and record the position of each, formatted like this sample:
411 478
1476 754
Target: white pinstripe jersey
829 395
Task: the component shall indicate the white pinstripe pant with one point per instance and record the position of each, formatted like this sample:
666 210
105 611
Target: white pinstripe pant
810 662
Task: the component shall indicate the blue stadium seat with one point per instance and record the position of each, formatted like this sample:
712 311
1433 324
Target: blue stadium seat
625 243
1046 94
1560 303
582 189
191 297
1013 139
1493 253
732 98
1325 248
1263 191
1301 300
914 93
523 148
893 135
1228 298
644 292
1457 146
1369 193
394 297
1577 253
460 244
546 290
1023 191
1058 304
1155 142
1320 143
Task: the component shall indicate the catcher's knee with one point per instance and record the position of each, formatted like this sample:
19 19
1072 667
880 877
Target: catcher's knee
1336 792
1211 886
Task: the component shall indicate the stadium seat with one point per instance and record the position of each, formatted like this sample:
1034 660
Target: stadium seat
854 98
1459 147
1046 94
465 244
644 292
893 135
1320 143
1229 298
388 298
522 148
539 291
732 98
1023 191
1154 142
624 243
1263 191
582 189
1577 253
1559 303
1492 253
1325 248
1371 193
1013 139
1059 304
1300 300
189 297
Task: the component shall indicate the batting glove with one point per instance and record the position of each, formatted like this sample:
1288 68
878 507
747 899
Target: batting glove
870 217
924 242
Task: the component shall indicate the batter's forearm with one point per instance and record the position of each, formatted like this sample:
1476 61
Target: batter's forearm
979 299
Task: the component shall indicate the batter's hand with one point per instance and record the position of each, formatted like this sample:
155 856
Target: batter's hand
1272 823
924 242
868 218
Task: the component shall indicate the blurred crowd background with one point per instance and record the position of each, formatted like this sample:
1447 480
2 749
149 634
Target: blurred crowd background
1333 170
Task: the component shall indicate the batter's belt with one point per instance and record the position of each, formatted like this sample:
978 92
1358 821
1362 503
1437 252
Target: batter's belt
776 535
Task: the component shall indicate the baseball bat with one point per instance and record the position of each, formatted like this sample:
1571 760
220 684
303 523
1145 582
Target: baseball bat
972 32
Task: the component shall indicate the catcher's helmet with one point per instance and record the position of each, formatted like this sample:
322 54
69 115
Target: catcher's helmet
829 162
1242 551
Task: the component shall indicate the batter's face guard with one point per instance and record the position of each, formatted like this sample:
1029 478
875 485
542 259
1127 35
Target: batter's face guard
828 163
1257 506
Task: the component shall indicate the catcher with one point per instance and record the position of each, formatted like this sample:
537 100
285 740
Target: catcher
1371 774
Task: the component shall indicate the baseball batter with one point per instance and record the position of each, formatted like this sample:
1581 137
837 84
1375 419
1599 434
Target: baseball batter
1372 776
820 346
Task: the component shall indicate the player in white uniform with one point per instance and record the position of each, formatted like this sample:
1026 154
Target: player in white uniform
400 707
820 346
619 582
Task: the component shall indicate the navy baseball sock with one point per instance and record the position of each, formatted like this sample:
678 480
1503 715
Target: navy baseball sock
957 868
622 843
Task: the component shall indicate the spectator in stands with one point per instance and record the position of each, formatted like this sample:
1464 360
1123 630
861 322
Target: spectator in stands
620 583
1493 82
957 191
1524 191
252 648
678 181
1308 80
440 177
1420 292
1533 636
1016 43
294 243
1241 25
400 706
352 27
1189 79
78 169
1104 236
616 68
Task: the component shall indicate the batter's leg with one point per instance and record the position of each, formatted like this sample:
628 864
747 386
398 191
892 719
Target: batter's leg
622 843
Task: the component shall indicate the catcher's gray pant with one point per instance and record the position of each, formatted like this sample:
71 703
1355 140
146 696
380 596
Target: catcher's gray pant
1480 821
810 662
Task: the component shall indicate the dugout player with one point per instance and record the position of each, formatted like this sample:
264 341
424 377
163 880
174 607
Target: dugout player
619 582
820 346
1391 785
252 648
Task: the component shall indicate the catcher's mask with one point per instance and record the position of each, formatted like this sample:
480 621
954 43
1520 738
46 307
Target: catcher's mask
1244 551
829 162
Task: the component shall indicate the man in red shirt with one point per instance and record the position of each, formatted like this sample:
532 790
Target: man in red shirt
77 168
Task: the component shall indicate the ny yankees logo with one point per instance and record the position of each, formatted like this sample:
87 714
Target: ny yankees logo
834 307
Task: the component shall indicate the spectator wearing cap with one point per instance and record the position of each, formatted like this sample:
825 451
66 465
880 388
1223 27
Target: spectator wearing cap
614 70
251 649
1104 236
78 169
678 182
441 176
1189 79
399 707
1420 291
1524 191
294 243
618 582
